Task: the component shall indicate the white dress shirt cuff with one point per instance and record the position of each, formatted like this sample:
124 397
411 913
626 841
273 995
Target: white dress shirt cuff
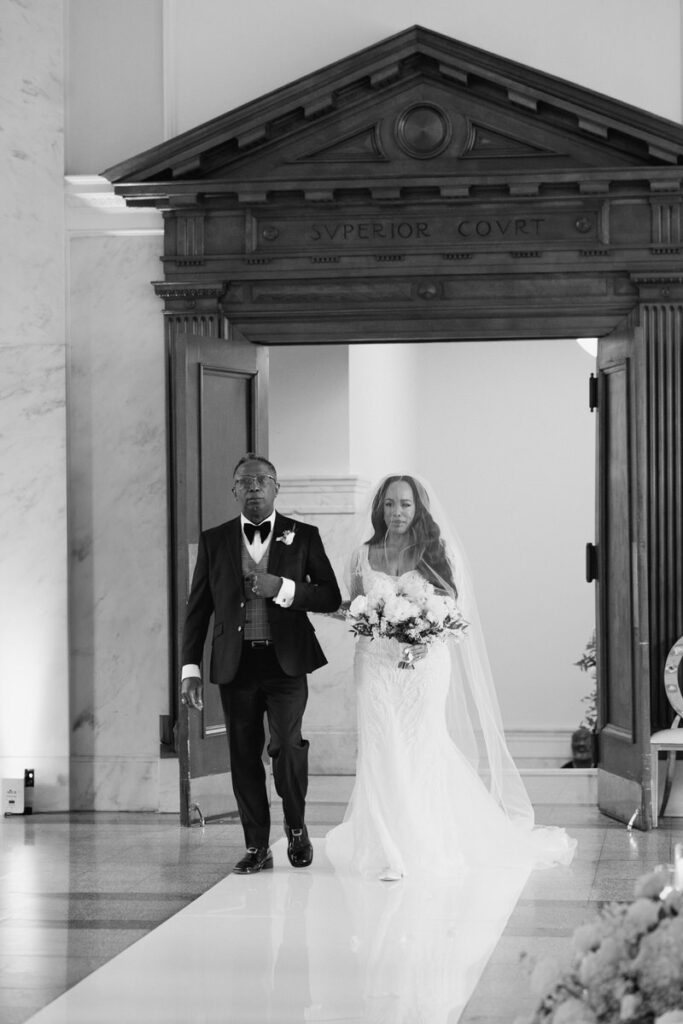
190 672
285 594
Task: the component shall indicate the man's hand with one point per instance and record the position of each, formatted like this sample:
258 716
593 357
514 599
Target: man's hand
191 692
262 584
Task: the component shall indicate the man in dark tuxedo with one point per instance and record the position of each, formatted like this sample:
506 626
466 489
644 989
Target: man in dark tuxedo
259 575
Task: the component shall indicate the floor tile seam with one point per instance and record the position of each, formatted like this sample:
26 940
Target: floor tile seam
599 860
93 964
326 803
606 875
39 916
180 834
581 907
77 819
112 895
72 925
640 850
589 826
623 894
45 958
558 933
46 994
533 902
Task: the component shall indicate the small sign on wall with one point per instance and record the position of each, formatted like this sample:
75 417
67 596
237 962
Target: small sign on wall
17 794
12 796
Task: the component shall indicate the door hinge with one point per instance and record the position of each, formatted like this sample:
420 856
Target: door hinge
592 392
591 563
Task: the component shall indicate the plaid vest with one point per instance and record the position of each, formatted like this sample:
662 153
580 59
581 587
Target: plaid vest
256 626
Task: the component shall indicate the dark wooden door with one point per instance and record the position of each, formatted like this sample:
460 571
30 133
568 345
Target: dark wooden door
621 592
218 412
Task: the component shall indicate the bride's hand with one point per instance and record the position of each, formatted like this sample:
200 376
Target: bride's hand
415 652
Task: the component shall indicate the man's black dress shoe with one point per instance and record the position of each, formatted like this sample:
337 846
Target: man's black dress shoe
257 858
299 847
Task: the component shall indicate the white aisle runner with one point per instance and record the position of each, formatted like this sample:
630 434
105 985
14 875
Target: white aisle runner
291 946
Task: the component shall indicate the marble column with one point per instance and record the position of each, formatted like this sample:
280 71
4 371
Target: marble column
34 729
118 520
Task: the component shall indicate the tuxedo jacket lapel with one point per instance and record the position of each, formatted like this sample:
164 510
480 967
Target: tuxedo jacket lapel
234 544
276 549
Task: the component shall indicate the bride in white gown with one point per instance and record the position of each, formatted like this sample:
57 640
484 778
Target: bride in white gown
436 790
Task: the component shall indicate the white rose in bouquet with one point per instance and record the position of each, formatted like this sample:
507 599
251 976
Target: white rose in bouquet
358 606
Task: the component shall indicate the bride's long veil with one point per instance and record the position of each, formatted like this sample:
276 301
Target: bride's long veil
472 710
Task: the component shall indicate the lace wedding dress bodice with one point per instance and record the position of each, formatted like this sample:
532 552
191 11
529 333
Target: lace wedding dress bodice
418 805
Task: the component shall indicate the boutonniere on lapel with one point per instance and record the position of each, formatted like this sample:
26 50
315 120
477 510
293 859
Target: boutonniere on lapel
287 536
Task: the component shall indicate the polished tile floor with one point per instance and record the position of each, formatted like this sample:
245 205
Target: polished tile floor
77 891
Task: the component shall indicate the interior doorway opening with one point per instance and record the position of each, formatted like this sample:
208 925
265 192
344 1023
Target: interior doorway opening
503 432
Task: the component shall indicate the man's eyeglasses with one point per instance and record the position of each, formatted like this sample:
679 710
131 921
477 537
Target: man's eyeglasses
244 483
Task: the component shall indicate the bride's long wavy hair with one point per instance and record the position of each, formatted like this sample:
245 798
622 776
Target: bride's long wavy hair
430 554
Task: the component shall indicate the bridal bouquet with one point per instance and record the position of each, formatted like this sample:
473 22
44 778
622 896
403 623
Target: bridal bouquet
409 611
626 966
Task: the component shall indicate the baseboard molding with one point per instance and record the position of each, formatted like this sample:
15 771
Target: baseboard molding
538 753
544 786
539 748
333 751
561 785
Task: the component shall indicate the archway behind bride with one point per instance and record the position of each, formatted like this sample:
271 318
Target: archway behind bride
503 430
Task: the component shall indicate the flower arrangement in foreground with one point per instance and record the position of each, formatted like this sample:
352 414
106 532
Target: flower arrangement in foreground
409 611
626 966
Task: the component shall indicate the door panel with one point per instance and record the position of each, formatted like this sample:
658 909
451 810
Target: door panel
623 770
617 545
218 412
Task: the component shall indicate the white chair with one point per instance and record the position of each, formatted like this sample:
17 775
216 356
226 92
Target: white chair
671 739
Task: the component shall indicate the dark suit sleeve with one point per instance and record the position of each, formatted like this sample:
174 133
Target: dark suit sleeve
198 610
321 594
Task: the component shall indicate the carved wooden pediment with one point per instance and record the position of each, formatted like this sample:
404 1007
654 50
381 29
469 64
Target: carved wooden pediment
418 188
418 113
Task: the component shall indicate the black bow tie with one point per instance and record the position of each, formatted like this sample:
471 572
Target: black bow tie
250 530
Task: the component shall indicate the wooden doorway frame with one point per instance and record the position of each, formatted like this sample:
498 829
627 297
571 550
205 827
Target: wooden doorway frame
425 190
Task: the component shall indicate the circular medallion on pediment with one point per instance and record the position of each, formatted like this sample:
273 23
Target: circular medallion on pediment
424 130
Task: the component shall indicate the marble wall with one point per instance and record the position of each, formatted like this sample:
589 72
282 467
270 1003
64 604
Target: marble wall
118 522
33 517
